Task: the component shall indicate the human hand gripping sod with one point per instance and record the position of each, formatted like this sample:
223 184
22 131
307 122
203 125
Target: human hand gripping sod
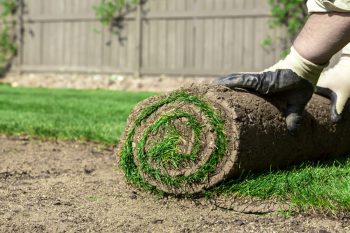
291 81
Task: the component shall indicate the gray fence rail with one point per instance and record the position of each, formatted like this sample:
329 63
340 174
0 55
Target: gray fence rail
171 37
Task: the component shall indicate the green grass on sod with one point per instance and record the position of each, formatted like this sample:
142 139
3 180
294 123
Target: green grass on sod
94 115
324 186
100 116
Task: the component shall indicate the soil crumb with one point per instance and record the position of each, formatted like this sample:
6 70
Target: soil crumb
78 187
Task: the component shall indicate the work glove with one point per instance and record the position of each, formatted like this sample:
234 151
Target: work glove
335 85
291 82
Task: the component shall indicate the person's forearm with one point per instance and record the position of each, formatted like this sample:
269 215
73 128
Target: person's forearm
323 35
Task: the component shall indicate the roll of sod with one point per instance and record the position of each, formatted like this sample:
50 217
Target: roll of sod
192 139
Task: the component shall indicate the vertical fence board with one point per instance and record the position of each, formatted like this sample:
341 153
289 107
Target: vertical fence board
145 44
199 44
171 38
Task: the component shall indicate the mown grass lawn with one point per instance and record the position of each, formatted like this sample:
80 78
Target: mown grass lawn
94 115
100 116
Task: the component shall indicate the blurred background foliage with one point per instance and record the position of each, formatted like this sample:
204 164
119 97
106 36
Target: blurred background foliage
111 12
289 14
8 46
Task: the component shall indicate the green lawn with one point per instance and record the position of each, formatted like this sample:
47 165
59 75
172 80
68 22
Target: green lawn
100 116
93 115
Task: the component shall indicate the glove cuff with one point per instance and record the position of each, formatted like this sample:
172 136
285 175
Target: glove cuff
303 67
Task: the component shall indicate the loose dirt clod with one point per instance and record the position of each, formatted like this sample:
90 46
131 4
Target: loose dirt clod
192 139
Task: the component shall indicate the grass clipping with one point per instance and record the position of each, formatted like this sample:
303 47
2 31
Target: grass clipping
176 143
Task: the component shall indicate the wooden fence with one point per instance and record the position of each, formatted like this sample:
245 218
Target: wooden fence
172 37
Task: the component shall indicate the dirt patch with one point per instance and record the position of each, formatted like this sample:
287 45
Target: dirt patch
109 82
77 187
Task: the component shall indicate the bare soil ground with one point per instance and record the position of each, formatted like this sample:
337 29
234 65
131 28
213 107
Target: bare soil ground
78 187
109 82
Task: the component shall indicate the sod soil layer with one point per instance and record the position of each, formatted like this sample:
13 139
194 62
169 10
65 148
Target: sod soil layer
78 187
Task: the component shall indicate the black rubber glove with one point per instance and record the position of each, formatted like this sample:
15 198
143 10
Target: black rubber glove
291 82
284 85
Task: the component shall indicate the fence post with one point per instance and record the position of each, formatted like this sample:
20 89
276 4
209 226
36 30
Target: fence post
138 38
20 35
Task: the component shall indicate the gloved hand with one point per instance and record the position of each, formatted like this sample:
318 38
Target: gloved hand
291 81
335 85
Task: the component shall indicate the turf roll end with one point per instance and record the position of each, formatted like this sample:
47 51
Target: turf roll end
178 143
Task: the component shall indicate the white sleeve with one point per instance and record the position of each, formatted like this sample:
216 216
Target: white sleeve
328 6
314 6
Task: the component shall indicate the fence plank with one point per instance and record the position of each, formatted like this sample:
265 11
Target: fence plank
162 36
171 38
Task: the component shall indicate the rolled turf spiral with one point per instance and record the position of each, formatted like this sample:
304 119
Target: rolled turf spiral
192 139
175 143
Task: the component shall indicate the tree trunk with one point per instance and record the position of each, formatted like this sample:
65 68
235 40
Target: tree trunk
192 139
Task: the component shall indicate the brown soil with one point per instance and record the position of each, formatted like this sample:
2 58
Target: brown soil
109 82
77 187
